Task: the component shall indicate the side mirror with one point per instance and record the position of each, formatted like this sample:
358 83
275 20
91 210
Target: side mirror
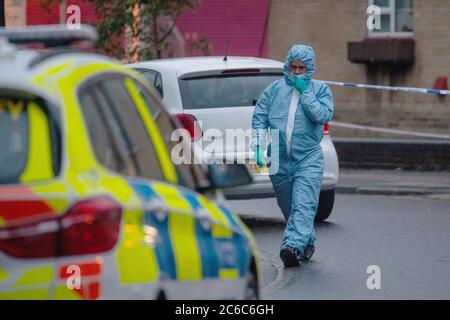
229 175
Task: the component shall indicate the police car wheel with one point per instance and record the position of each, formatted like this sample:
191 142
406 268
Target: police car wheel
326 202
251 289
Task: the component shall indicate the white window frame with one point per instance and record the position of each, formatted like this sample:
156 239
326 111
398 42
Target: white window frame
391 12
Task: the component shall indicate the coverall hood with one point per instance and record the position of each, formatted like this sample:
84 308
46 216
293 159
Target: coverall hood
307 56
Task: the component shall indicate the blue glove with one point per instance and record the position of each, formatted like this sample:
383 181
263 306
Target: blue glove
259 156
300 84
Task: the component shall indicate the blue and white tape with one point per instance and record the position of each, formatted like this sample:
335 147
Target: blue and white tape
399 89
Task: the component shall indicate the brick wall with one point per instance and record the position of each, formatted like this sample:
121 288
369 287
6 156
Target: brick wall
329 25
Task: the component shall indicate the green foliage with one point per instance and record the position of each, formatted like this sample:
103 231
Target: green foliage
201 44
139 23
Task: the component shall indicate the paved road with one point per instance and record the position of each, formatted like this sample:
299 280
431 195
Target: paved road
408 238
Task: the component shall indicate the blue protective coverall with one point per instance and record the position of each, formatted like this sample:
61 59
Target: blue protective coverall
300 120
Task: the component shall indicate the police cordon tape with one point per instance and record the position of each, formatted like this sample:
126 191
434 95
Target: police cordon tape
392 131
389 88
399 89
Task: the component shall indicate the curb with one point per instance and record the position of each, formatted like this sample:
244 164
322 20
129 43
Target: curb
392 191
419 155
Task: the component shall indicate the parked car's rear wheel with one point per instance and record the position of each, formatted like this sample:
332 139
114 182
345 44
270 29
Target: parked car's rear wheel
326 202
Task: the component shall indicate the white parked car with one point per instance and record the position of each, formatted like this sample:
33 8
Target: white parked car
221 94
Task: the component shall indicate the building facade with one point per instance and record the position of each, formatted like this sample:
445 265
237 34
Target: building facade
410 47
332 26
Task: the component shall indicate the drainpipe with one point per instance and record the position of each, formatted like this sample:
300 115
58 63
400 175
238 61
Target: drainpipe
62 12
2 13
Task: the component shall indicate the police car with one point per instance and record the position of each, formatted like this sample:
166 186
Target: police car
91 205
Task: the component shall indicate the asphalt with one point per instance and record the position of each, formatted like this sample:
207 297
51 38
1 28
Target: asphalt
399 204
406 238
428 184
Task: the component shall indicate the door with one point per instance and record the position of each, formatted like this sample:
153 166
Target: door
216 258
166 211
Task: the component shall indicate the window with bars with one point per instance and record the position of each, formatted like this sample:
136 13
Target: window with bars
396 17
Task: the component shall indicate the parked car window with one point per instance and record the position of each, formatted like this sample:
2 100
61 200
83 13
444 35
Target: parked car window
154 77
150 75
159 85
138 142
224 91
19 119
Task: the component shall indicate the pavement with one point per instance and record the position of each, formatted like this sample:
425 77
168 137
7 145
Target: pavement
393 182
427 184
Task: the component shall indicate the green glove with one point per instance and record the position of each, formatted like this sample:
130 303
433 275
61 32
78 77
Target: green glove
259 155
300 84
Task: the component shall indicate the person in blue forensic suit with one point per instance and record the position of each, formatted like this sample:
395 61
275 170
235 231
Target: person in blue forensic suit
296 108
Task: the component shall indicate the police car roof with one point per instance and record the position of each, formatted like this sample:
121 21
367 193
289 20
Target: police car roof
19 68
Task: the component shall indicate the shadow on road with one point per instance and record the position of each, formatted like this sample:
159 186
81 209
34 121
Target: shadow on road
326 225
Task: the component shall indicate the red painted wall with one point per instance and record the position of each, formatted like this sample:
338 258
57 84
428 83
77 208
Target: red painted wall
242 20
36 15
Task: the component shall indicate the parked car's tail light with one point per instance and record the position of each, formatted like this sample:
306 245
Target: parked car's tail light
190 123
326 129
90 226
